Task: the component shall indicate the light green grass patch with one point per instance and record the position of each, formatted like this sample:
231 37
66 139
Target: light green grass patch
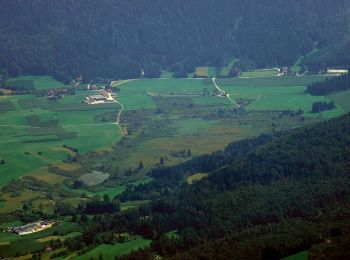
271 81
133 204
134 94
192 126
196 177
167 74
110 251
299 256
260 73
342 99
40 82
211 101
172 234
225 71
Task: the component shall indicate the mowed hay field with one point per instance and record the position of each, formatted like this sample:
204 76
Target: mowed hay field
119 249
38 82
135 94
33 132
277 93
260 73
342 99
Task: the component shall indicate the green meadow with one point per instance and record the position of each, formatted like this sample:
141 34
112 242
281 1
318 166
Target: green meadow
119 249
260 73
299 256
39 82
277 93
342 99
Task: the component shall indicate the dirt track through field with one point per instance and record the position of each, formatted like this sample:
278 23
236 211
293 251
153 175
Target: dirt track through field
121 107
224 93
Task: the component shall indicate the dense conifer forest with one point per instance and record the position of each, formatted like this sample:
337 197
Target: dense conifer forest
117 39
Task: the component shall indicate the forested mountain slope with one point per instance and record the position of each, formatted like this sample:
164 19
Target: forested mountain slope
117 38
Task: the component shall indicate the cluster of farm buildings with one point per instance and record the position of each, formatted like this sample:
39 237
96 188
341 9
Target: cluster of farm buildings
32 227
103 97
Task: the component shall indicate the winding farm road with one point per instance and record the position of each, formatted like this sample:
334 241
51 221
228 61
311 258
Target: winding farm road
121 106
224 93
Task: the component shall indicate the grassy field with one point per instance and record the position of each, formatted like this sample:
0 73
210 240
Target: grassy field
196 177
225 71
271 81
299 256
260 73
39 82
134 94
167 75
276 93
133 204
110 251
342 99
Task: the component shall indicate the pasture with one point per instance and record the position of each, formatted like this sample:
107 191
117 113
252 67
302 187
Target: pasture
196 177
341 99
119 249
260 73
299 256
276 93
133 204
35 82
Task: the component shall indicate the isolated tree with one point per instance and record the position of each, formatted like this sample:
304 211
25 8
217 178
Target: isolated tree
189 153
141 165
106 198
161 160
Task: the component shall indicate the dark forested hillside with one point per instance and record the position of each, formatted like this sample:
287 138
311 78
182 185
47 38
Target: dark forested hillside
117 38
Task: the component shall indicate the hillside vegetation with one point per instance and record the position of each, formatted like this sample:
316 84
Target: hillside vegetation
117 38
